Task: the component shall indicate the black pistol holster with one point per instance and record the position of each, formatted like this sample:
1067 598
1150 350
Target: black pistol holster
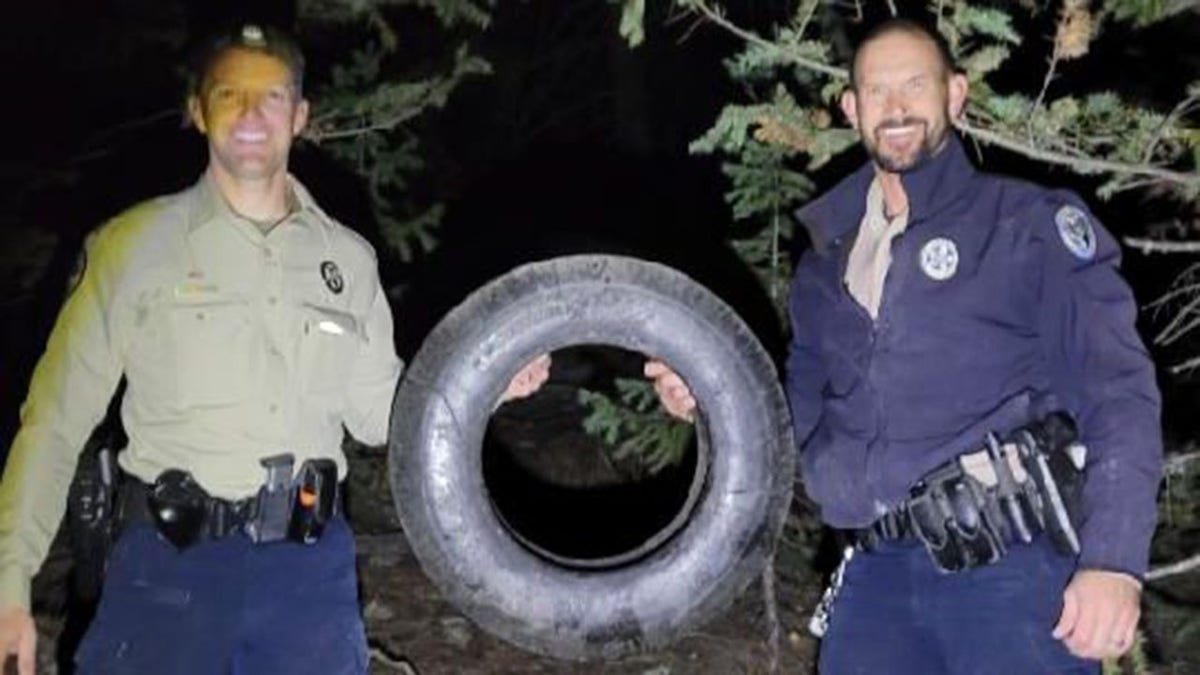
969 510
285 508
92 519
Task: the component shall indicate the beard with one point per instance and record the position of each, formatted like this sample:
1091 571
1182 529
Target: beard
932 138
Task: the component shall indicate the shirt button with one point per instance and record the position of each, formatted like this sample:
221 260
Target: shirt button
273 408
272 300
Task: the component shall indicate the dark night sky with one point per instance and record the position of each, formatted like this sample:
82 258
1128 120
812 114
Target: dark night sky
574 144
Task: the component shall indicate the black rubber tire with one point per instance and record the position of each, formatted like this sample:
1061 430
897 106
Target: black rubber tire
441 413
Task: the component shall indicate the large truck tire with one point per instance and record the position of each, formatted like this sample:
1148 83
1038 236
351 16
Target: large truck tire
739 498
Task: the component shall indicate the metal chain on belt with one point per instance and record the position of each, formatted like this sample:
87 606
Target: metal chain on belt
819 623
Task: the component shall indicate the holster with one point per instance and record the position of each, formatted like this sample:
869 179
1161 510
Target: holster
92 518
968 511
283 509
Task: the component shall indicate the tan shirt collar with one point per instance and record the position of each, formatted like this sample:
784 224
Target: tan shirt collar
871 256
208 205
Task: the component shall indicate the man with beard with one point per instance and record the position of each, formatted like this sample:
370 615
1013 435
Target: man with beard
939 304
252 331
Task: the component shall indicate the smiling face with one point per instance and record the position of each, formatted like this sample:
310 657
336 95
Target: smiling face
903 99
250 111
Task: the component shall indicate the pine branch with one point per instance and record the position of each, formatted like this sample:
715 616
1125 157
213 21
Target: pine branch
1158 246
1176 464
714 16
1082 162
1176 568
1041 97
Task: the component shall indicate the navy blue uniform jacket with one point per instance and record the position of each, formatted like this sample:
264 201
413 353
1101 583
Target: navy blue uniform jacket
1002 302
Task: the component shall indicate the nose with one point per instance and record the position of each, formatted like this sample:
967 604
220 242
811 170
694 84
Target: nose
895 104
251 103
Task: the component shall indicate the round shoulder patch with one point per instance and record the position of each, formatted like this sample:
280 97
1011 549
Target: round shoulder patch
939 259
1075 230
332 276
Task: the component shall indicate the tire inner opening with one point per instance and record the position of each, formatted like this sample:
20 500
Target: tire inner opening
580 499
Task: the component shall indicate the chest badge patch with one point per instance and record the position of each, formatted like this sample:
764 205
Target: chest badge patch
332 276
939 259
1075 230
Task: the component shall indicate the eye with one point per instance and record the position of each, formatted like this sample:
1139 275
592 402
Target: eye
874 92
277 97
916 85
222 95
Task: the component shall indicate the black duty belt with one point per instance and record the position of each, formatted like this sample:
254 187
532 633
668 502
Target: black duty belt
969 510
284 508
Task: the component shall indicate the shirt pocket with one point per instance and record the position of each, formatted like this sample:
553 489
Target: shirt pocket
213 343
330 341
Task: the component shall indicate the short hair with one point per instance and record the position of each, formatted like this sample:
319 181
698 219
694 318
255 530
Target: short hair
910 27
253 37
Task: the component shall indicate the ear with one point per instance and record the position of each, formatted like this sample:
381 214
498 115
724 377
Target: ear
849 103
196 113
956 98
300 119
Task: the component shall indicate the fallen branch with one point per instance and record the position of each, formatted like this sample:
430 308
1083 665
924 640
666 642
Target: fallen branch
399 665
770 603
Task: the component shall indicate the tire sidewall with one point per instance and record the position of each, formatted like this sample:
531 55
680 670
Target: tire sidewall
441 414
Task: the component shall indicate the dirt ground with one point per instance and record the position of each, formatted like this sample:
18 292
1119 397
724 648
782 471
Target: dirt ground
408 620
412 630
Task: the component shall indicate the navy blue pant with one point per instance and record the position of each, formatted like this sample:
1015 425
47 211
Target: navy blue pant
228 607
897 614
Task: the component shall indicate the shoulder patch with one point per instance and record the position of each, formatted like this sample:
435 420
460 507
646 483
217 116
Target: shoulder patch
1076 231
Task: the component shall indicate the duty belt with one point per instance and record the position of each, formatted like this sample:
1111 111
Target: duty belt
969 510
284 507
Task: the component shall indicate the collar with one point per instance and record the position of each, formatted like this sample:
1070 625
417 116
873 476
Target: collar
930 188
208 205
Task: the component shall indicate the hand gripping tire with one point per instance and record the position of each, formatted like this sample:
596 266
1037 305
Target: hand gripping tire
740 500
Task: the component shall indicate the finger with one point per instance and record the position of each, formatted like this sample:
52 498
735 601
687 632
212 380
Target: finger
1125 633
680 411
25 651
1090 635
654 368
1069 616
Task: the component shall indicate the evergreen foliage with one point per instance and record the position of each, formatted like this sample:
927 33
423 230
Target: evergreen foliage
364 116
635 430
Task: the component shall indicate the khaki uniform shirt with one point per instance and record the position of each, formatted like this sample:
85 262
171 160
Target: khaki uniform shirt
235 346
872 252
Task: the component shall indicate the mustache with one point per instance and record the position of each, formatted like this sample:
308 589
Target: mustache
898 123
